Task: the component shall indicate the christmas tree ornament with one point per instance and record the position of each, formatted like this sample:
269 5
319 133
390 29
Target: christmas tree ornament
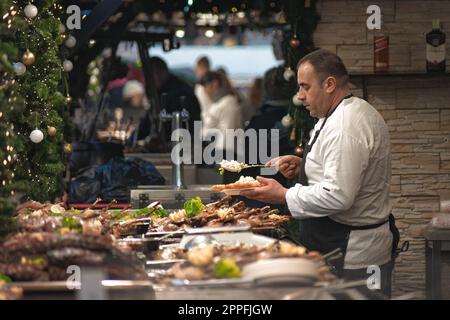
28 58
68 148
93 80
287 121
67 65
296 101
71 42
299 150
293 136
19 68
68 99
62 28
51 131
107 53
295 42
30 11
36 136
288 74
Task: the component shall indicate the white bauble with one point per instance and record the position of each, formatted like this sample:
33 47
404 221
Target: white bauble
288 74
62 28
93 80
71 42
107 53
67 65
287 121
96 72
296 101
30 11
19 68
36 136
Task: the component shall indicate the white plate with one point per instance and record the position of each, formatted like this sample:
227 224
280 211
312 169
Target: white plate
245 237
236 192
282 270
204 230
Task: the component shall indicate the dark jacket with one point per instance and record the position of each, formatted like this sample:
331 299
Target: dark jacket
174 88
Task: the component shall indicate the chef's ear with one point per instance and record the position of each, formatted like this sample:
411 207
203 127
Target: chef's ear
330 84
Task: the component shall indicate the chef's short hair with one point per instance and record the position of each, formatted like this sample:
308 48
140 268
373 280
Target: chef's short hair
326 64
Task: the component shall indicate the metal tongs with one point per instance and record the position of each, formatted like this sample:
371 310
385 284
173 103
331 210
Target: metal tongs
333 255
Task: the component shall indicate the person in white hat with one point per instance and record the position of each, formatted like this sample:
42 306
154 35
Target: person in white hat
124 119
133 93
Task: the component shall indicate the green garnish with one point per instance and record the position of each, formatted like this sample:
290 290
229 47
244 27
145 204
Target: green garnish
162 213
137 213
38 261
221 171
193 207
55 214
71 223
142 211
72 210
227 268
5 278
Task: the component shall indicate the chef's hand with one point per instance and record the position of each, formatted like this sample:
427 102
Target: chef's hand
270 192
289 166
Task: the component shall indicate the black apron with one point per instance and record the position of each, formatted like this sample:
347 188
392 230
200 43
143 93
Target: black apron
324 234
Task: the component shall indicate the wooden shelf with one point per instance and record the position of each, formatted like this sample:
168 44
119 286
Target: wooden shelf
399 74
364 76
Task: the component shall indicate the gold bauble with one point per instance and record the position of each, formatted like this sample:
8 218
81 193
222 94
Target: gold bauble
298 151
68 148
293 135
51 131
28 58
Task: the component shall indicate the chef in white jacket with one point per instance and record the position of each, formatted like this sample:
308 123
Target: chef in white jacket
342 195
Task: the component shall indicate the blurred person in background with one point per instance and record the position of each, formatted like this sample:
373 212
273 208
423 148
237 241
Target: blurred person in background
229 86
201 68
121 121
253 101
276 100
225 112
174 88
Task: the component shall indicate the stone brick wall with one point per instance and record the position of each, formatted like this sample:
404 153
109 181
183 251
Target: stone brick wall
417 110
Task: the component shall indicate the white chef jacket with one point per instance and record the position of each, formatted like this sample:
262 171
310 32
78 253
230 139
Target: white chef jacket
349 173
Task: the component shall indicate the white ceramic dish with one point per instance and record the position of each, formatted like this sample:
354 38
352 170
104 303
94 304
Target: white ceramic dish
282 270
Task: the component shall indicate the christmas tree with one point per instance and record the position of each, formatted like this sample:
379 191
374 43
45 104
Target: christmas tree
298 42
33 101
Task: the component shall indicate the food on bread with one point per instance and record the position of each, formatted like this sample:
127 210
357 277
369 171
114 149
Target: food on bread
242 183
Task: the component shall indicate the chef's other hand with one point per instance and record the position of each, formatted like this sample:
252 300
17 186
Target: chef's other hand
270 192
289 166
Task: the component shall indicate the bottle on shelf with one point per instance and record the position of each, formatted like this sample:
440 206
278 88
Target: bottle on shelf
380 53
435 49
